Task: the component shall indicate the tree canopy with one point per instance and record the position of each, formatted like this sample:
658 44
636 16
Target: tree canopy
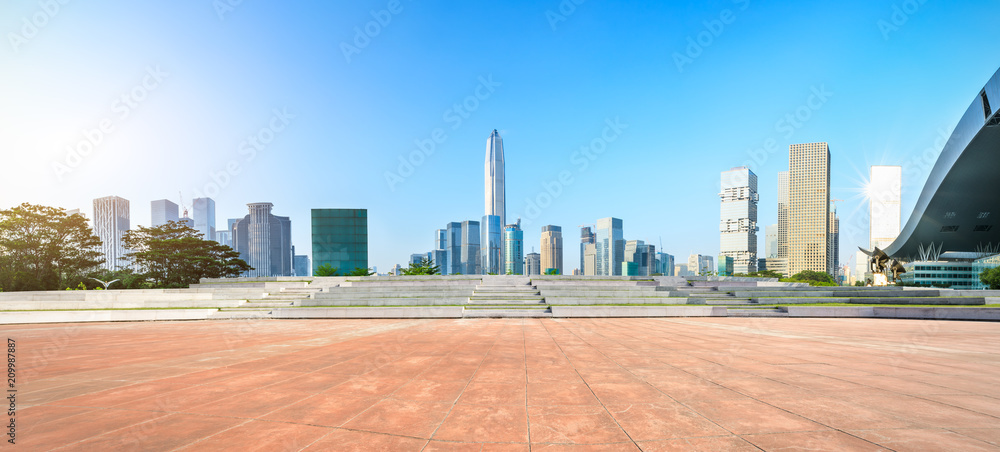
991 278
326 270
424 267
358 271
174 255
814 278
43 248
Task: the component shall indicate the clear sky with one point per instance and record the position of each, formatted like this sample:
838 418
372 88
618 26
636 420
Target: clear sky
160 97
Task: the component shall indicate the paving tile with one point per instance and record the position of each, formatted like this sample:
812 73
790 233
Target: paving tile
704 444
555 393
449 446
928 440
831 440
500 424
666 420
747 416
574 425
401 417
492 394
430 391
329 410
163 433
260 436
352 441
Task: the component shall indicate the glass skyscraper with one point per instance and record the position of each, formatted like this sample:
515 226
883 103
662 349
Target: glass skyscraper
809 208
587 237
340 238
204 217
453 249
163 211
492 245
738 225
111 222
513 240
495 189
610 247
471 263
552 248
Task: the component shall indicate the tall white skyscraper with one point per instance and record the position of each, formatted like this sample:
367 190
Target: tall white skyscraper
162 211
884 189
111 222
204 217
495 217
738 225
610 247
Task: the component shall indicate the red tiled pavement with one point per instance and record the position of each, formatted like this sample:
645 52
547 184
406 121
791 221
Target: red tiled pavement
497 385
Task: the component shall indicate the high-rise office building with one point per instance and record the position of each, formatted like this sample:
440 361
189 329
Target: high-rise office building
471 259
186 221
682 270
495 192
300 263
726 266
809 208
453 233
884 191
340 238
204 217
589 258
833 236
162 211
587 237
642 255
416 258
738 225
664 264
779 263
265 241
513 246
492 244
610 246
699 265
860 266
771 241
533 264
440 253
552 249
111 222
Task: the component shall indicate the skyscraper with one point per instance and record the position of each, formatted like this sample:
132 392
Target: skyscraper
834 238
552 248
589 258
738 226
453 248
642 255
440 252
265 241
471 263
779 263
111 222
884 188
809 208
495 193
610 246
771 241
533 264
204 217
492 244
664 264
587 237
513 244
162 211
300 264
699 265
340 238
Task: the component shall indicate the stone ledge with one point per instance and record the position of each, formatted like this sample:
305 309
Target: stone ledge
11 317
637 311
416 312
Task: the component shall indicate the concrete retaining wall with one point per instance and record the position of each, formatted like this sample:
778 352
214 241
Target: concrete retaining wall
7 318
637 311
443 312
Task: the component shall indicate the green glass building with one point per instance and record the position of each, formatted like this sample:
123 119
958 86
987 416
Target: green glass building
340 238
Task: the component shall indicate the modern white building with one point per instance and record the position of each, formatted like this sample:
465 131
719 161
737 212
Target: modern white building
204 217
495 203
610 247
884 194
111 222
264 241
163 211
699 265
738 224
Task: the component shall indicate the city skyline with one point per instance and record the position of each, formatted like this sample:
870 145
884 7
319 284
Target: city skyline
235 114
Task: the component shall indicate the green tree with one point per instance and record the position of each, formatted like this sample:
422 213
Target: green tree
174 255
552 271
814 278
42 248
326 270
991 278
424 267
358 271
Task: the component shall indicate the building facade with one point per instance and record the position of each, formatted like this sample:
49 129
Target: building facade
727 266
264 241
738 224
587 237
809 208
833 236
495 189
770 241
453 249
340 238
885 188
533 264
204 217
664 264
470 255
552 249
163 211
610 246
492 245
513 242
111 222
779 263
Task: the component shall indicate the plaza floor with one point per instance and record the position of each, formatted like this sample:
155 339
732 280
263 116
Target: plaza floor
724 384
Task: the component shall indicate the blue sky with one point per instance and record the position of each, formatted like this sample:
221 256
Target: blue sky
200 77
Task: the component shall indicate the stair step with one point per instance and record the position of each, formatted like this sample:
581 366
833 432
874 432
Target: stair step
507 313
738 312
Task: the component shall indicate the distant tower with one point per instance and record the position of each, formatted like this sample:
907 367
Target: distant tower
111 222
264 241
513 239
204 217
163 210
738 227
552 248
809 208
492 228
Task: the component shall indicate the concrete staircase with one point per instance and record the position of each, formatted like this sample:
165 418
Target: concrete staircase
506 296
